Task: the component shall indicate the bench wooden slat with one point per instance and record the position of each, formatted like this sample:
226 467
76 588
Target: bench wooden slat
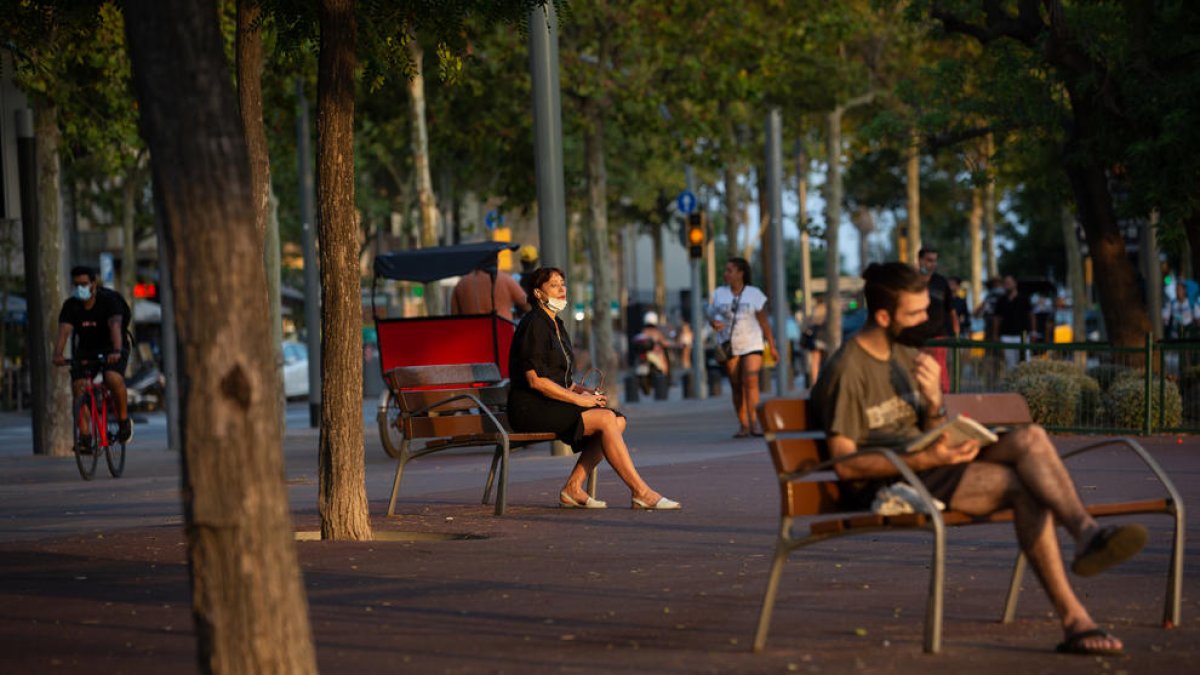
410 377
412 400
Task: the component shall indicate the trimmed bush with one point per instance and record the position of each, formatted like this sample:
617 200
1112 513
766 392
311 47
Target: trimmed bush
1106 373
1052 397
1085 397
1125 401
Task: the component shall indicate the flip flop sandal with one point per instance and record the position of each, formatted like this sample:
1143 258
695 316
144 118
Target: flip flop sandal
1111 545
1074 644
742 433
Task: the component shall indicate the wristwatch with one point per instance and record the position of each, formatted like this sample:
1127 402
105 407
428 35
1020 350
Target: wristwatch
940 412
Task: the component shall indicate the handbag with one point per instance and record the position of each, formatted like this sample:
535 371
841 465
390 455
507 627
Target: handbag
592 382
724 350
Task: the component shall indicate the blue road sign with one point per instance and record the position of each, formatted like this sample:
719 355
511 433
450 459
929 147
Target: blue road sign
493 219
686 201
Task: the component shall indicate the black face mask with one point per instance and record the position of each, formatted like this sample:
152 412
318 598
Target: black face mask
910 337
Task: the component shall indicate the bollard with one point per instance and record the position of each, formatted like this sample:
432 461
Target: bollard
688 385
714 382
662 387
631 389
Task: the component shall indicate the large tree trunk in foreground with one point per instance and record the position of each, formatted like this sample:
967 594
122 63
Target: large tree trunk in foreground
57 434
247 598
343 501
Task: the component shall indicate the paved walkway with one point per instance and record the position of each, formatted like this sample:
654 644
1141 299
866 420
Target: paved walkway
93 576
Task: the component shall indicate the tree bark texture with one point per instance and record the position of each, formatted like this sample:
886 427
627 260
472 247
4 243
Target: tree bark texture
1191 226
248 601
249 64
660 271
912 187
343 500
989 209
833 221
806 302
974 225
426 199
57 434
597 242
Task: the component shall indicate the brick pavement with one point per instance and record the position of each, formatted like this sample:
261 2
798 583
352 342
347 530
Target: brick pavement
549 590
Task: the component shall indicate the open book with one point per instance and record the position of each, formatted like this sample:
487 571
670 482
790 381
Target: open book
959 428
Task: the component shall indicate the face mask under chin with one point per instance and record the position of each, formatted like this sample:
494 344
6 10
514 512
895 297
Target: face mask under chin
556 305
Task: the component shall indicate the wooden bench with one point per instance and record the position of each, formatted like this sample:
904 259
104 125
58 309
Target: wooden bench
454 406
808 488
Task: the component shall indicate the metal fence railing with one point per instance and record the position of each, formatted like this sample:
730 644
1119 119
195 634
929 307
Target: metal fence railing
1087 387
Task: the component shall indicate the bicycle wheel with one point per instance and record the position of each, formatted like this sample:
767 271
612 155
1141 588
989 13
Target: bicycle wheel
114 453
85 458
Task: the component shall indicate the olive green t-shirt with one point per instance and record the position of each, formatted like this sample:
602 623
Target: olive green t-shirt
870 401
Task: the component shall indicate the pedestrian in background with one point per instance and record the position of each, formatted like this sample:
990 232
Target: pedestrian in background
942 321
1013 320
1179 314
738 312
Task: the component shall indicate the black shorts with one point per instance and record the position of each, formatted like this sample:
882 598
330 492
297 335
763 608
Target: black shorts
941 482
83 372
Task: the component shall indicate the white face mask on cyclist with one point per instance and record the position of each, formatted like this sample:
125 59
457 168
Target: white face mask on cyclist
84 293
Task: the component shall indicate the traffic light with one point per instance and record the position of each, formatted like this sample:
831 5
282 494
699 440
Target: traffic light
696 236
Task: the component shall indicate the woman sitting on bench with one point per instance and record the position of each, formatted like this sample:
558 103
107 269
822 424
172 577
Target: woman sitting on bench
542 397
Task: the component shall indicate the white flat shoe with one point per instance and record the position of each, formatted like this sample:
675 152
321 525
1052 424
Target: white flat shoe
566 501
663 504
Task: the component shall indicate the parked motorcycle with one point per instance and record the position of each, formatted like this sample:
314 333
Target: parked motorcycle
144 389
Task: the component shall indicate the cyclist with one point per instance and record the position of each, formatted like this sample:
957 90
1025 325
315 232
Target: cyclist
99 318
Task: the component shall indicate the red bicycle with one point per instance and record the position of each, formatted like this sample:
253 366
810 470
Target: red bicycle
96 411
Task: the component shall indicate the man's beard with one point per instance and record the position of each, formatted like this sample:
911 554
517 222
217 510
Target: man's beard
910 337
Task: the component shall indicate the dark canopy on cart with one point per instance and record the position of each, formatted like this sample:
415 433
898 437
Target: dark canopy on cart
430 264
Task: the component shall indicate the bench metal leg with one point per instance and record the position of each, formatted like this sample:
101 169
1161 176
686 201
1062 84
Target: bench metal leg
400 462
591 482
502 484
1014 589
1172 608
782 549
491 478
937 585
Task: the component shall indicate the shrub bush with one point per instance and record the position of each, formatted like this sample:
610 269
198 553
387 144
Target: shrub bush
1125 401
1085 398
1052 397
1106 373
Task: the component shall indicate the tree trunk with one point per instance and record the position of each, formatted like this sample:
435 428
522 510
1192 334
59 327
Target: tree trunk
833 221
732 191
249 66
989 210
1191 226
420 150
974 223
247 597
57 434
1075 277
660 273
912 189
343 500
802 216
597 242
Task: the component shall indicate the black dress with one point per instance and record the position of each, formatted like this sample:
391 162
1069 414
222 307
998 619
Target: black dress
537 346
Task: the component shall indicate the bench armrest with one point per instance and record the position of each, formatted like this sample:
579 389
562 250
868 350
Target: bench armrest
483 409
1138 451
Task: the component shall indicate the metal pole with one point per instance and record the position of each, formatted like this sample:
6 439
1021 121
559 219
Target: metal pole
699 385
31 243
170 344
547 132
312 278
778 276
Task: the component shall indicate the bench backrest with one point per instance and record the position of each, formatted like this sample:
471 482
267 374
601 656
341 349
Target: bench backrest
782 418
417 387
990 409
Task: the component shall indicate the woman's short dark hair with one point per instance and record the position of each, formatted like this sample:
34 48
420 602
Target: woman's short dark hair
541 275
885 283
742 266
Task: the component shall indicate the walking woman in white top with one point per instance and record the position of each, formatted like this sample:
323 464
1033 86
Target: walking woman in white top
738 312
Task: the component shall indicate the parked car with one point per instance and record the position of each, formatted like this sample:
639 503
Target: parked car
295 369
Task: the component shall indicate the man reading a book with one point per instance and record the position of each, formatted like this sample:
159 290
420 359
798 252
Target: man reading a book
878 390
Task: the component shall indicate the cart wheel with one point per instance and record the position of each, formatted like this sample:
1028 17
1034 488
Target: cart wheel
387 415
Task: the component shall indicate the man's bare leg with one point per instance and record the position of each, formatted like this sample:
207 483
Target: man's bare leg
987 487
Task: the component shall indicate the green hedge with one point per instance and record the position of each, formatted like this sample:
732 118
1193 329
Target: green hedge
1077 403
1126 402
